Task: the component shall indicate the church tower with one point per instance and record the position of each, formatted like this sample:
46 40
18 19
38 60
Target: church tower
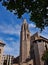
24 42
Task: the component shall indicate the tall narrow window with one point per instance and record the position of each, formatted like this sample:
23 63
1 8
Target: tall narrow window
46 46
0 51
28 36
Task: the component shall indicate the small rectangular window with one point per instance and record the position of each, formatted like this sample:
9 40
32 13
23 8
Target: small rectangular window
0 51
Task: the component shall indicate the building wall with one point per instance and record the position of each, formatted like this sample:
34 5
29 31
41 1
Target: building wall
24 64
1 53
8 60
15 64
30 62
38 51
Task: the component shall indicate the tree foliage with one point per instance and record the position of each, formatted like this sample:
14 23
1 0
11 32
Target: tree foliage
45 57
38 10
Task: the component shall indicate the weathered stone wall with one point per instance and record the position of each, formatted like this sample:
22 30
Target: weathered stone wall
1 52
15 64
38 52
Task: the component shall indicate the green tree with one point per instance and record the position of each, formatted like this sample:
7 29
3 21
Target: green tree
37 9
45 57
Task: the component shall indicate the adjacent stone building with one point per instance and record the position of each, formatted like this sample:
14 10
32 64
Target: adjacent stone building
1 52
31 47
8 60
16 61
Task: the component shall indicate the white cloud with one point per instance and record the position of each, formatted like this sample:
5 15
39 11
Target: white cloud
10 29
32 25
45 32
12 49
10 39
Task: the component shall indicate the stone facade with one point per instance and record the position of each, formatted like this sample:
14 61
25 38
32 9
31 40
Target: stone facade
1 52
38 51
8 60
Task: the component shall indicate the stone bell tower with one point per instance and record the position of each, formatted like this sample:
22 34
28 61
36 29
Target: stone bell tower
24 42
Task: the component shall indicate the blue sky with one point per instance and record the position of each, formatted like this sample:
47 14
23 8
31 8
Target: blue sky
10 27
